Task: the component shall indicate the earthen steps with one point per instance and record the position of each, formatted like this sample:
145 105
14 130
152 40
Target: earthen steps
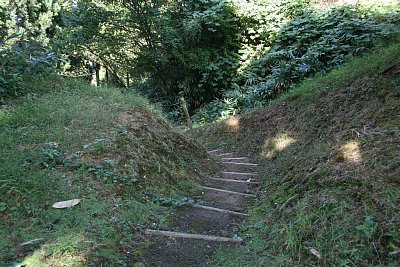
215 221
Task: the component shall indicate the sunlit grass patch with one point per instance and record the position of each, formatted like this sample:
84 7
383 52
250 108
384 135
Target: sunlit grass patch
351 152
277 144
65 251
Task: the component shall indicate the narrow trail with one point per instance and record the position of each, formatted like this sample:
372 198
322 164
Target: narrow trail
198 231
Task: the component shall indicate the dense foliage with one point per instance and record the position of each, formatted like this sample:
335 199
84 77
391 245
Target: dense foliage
35 19
27 27
313 41
20 62
222 56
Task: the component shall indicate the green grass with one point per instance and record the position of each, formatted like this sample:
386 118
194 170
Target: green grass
331 143
62 122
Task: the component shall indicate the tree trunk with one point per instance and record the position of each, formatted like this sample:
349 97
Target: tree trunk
97 74
93 72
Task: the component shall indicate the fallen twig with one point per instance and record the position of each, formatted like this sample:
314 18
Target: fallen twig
287 203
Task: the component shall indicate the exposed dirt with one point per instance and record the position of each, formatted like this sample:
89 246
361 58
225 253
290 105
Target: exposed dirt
237 187
181 252
200 221
166 251
226 201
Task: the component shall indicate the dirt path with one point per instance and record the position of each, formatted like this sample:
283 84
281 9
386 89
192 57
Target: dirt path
198 231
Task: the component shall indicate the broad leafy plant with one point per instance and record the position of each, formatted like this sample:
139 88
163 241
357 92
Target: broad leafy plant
22 61
311 41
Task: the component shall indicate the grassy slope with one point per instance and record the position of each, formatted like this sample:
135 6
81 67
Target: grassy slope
48 141
330 155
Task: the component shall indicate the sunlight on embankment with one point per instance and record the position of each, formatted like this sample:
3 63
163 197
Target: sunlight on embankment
351 152
277 144
233 123
67 250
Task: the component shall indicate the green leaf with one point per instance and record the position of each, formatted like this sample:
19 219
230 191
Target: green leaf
3 206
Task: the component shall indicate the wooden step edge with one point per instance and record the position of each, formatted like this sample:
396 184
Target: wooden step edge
242 173
226 191
225 154
240 163
192 236
220 210
235 181
242 158
214 151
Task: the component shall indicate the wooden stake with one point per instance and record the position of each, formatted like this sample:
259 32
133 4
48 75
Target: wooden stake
186 112
240 163
243 158
241 173
219 210
226 191
234 181
225 154
193 236
214 151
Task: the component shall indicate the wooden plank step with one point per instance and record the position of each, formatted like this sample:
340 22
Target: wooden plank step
225 154
214 151
234 181
240 163
193 236
241 173
219 210
226 191
242 158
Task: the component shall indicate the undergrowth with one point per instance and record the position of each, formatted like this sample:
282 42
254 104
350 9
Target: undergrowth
329 155
311 40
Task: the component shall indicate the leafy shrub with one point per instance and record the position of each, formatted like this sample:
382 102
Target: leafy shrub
314 41
234 102
21 62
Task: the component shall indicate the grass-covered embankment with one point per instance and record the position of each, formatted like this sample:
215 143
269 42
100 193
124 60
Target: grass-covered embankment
109 149
330 158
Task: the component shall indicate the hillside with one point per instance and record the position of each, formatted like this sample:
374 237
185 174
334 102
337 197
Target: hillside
68 140
329 151
294 156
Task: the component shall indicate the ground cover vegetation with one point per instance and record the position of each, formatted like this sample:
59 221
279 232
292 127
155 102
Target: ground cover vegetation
109 149
329 154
